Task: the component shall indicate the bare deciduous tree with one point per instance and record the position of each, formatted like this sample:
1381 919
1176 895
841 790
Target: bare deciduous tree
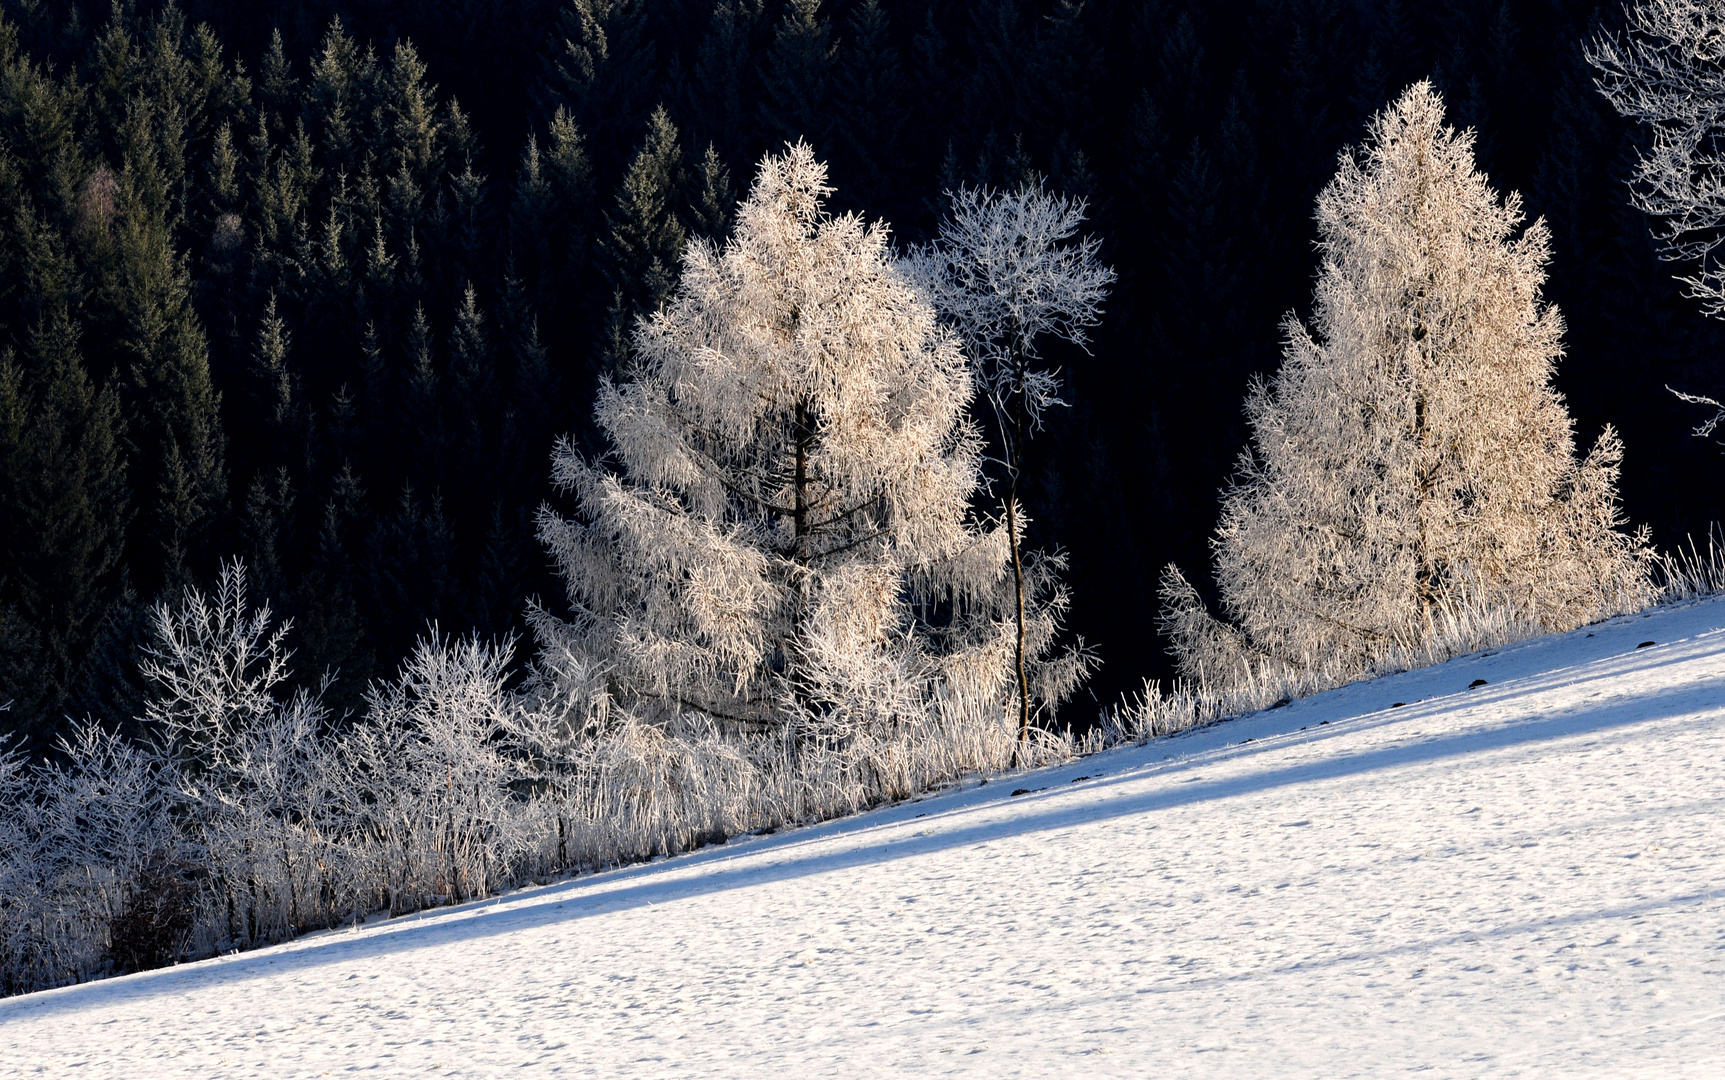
1667 70
1008 271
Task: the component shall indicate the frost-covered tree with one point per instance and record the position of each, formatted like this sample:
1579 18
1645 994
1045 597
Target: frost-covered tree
1008 271
1665 70
80 838
785 543
1410 460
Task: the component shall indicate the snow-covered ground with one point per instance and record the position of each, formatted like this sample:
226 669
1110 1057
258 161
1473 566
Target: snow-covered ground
1522 878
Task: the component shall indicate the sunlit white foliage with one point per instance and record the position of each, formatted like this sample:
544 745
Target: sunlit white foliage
783 609
439 793
1410 460
215 665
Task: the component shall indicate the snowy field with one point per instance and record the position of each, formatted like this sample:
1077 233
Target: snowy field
1521 878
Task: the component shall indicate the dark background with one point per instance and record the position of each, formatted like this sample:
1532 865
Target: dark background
378 457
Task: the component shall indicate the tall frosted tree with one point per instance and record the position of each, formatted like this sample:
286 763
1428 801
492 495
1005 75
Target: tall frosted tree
1411 458
1008 272
787 541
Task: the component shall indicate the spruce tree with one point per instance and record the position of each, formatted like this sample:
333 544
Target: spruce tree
645 236
63 515
604 69
173 429
872 99
726 80
798 75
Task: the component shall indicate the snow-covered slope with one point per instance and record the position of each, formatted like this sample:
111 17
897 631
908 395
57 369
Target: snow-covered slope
1519 878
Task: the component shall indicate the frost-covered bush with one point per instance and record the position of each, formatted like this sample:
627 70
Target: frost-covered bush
250 766
1412 484
77 843
431 774
249 814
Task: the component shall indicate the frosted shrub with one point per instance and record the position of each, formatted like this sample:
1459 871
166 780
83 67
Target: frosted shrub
79 838
1686 574
434 773
249 764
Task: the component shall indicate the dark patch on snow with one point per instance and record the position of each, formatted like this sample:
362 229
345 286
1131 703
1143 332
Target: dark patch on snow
1644 644
1398 704
1476 682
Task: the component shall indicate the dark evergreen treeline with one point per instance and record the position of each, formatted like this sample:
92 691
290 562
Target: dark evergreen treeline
319 283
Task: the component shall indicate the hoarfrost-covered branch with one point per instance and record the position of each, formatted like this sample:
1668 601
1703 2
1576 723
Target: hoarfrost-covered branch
1667 70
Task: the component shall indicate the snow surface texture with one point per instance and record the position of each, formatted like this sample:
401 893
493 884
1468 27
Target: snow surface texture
1521 878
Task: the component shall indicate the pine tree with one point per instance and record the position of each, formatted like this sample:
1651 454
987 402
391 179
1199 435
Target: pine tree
63 515
1410 462
798 75
605 69
722 92
713 204
329 627
168 399
645 236
872 99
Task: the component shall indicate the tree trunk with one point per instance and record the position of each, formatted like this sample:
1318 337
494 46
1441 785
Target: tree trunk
1014 461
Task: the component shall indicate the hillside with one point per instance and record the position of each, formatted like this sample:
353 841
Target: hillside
1521 877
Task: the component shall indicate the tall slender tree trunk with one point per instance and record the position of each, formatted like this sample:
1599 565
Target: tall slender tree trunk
1015 458
800 505
801 546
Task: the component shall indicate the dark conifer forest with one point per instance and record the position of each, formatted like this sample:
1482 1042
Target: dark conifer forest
319 284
